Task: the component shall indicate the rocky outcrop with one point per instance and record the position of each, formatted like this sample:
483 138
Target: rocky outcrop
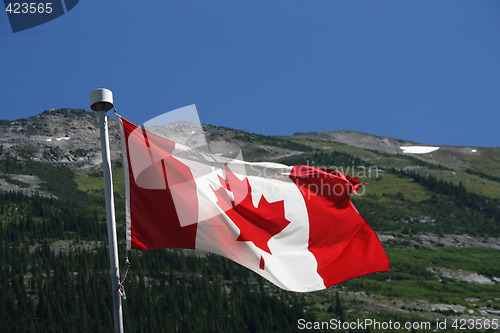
63 136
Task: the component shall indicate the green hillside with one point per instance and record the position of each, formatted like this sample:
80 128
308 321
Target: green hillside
439 225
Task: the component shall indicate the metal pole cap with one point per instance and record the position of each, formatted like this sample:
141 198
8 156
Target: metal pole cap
101 99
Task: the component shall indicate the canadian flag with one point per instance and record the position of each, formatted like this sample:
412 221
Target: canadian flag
295 226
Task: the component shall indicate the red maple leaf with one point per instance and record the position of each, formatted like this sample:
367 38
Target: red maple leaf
256 224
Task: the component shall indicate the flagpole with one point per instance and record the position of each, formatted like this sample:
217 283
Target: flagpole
101 101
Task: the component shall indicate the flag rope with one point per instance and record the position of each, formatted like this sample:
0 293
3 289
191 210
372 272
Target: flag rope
116 113
121 288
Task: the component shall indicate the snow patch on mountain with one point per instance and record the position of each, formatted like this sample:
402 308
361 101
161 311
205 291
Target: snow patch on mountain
418 149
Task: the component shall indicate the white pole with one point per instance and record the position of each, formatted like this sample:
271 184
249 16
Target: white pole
101 100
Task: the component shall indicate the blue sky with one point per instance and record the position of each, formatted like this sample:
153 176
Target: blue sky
425 70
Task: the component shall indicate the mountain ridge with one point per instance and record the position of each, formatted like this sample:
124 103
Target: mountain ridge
70 137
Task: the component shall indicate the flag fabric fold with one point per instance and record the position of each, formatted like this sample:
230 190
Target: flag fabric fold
295 226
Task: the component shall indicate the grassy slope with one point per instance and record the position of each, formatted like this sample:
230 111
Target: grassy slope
91 183
390 184
487 163
411 279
